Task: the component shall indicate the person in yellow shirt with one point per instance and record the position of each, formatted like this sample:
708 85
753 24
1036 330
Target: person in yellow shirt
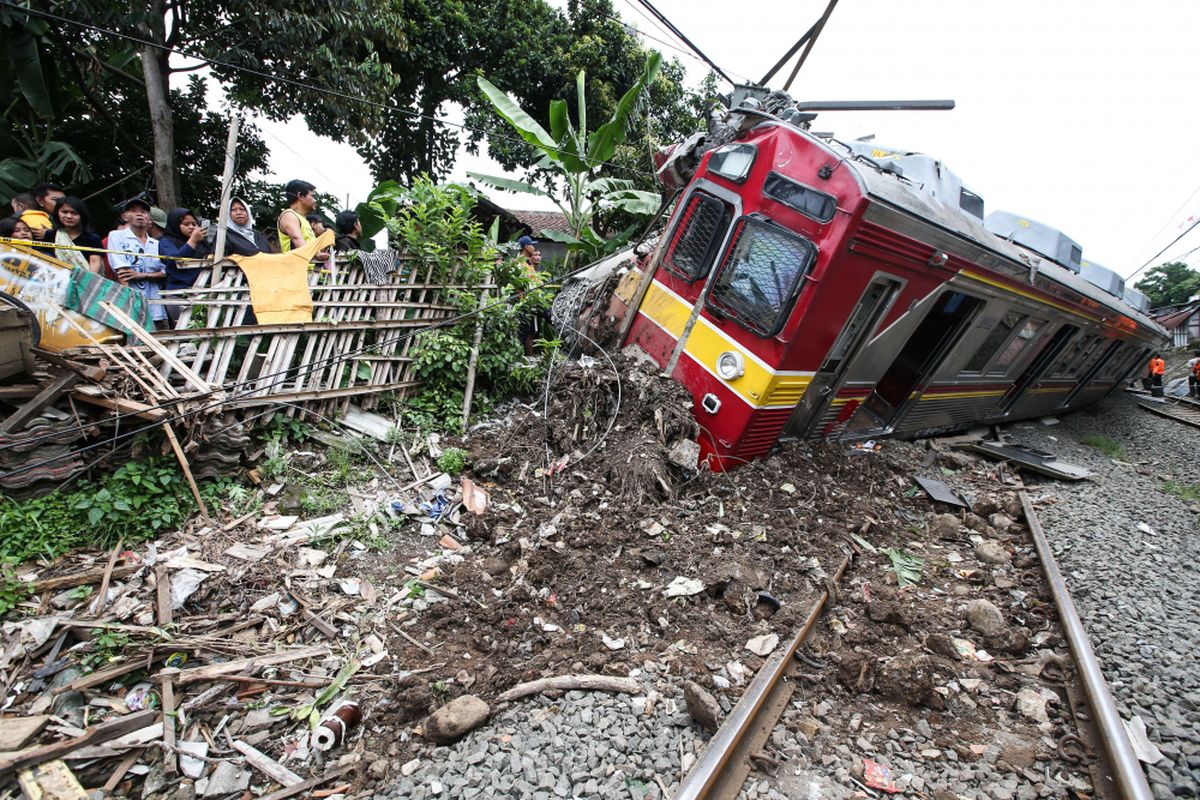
25 206
295 230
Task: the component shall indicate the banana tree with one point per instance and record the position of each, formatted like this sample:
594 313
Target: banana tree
577 156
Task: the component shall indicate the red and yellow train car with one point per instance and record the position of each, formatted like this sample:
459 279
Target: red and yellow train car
806 288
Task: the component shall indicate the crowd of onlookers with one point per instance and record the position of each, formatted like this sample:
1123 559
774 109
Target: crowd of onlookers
149 248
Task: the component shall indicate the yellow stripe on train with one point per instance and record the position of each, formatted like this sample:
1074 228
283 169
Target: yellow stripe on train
760 386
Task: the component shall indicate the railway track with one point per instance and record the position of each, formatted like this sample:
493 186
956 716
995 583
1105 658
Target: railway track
736 749
1180 409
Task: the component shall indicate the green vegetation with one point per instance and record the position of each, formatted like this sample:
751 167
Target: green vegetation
577 156
453 460
1188 492
12 589
137 501
907 567
1105 444
1169 283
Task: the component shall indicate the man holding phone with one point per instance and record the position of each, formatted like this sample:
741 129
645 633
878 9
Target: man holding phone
137 264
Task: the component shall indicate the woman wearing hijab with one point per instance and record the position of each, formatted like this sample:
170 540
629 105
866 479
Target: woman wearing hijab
73 228
241 225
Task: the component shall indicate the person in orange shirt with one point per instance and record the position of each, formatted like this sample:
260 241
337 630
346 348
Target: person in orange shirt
1157 368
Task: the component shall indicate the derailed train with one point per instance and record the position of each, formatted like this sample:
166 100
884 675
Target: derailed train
807 288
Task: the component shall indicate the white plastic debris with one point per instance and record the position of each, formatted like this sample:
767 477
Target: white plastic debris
184 584
763 645
683 587
1144 528
1143 748
611 643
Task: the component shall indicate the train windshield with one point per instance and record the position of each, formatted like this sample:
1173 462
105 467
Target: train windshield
762 274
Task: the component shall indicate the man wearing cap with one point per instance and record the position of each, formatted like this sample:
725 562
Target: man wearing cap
158 222
137 263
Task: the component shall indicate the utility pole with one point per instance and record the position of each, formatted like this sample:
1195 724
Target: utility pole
235 121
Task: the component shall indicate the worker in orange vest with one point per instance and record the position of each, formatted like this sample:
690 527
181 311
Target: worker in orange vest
1157 368
1194 375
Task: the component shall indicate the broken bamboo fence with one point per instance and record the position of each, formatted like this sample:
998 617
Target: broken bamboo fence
357 347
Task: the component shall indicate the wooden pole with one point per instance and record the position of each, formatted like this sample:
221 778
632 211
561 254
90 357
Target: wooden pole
472 360
235 122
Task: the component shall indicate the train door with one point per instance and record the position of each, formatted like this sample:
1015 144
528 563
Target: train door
1091 373
915 364
862 322
1035 369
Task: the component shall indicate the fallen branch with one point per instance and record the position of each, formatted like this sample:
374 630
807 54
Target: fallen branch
567 683
105 732
216 671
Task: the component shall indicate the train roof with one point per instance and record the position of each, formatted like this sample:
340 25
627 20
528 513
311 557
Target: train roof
894 190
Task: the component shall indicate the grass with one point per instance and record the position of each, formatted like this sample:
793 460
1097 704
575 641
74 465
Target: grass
1105 444
1188 492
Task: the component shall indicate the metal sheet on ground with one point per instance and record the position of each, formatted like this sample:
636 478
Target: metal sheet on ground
1036 460
940 492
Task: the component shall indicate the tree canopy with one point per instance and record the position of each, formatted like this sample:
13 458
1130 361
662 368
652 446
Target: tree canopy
86 101
1170 283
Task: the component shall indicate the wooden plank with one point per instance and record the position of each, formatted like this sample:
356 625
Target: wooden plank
81 578
162 583
170 758
91 394
51 781
15 732
148 339
211 672
102 676
267 765
105 732
48 394
321 394
118 774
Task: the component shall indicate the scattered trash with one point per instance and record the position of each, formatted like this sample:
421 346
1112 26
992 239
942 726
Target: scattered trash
878 776
612 644
333 729
939 492
1143 748
1144 528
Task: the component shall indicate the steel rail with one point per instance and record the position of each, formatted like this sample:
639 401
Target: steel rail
1127 770
724 765
1191 415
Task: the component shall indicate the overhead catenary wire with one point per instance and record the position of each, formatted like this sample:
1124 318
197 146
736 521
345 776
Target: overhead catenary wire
1152 258
1165 224
408 112
671 26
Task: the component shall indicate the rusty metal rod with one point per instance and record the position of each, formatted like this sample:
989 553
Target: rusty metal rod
703 776
1127 771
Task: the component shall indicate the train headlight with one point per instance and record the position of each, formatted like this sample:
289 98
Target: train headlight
731 365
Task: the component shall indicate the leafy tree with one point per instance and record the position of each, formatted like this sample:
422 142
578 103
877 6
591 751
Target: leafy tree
245 45
1171 283
75 114
577 155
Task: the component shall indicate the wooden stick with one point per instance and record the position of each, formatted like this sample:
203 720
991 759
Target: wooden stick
274 682
53 781
231 525
472 360
102 600
101 676
267 765
412 641
119 773
304 786
113 729
567 683
187 472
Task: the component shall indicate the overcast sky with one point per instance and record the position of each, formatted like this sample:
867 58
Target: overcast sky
1078 113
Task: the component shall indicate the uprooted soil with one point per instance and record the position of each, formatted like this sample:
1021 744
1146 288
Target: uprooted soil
594 510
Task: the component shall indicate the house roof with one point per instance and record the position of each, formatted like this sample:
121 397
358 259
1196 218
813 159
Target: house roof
539 221
1177 318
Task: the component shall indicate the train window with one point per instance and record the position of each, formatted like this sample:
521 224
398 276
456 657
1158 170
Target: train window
761 274
806 200
733 161
698 234
1071 355
1085 356
1028 333
998 336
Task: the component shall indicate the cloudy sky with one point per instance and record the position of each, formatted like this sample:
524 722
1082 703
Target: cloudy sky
1078 113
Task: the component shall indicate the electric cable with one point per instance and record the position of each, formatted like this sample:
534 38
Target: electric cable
293 82
671 26
1173 215
1165 249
